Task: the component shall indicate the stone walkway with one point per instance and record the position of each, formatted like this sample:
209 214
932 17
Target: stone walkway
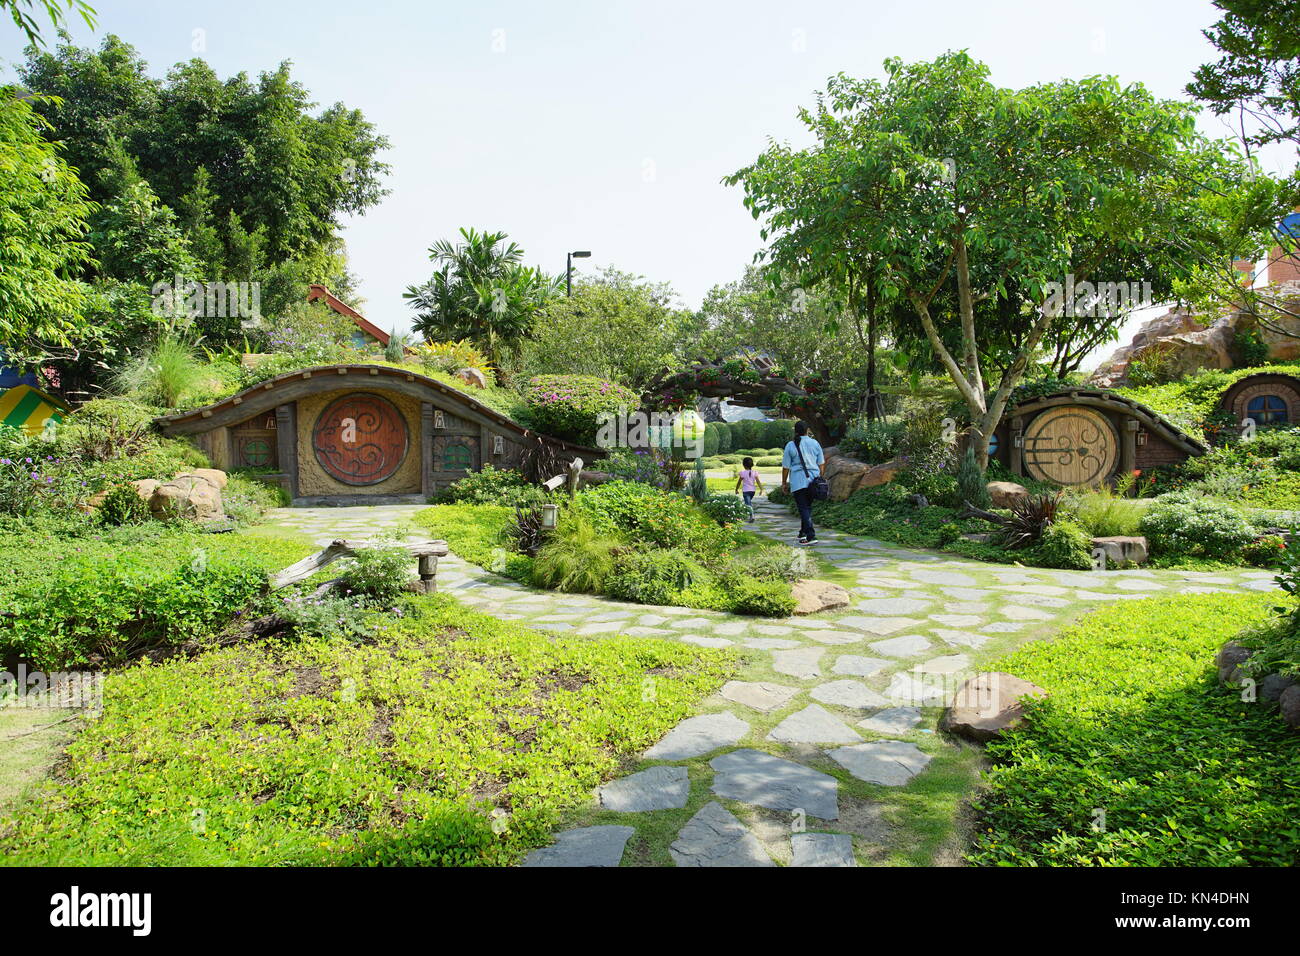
828 714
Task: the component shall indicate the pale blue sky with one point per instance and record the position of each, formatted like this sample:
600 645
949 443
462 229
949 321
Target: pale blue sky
607 125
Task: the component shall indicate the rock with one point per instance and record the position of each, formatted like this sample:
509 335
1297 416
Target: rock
214 475
1229 660
714 837
811 596
813 725
893 720
588 846
890 763
1122 549
988 704
191 497
803 662
1273 686
880 474
698 735
752 776
472 377
822 849
762 695
918 501
145 487
658 788
1004 493
846 475
1289 703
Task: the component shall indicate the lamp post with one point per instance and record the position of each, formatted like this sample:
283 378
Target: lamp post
568 270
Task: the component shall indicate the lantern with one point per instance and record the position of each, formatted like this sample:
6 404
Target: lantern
550 516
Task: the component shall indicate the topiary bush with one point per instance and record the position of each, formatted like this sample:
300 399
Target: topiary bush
572 406
123 505
1180 523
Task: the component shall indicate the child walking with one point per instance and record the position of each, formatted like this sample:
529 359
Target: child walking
747 482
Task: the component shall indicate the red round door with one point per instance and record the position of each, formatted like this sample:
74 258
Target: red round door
360 439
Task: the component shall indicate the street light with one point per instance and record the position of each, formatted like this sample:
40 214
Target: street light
568 271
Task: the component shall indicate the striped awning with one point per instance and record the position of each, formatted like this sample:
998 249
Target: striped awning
29 408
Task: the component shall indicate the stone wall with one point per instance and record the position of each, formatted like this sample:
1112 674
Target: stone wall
313 480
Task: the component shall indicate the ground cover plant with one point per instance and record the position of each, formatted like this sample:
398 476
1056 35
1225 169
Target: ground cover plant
391 751
1137 726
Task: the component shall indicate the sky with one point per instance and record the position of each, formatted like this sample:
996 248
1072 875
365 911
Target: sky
607 126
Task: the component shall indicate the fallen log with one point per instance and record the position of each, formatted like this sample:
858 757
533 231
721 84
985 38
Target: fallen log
427 552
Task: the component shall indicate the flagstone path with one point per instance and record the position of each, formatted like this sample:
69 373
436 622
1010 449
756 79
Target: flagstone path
793 760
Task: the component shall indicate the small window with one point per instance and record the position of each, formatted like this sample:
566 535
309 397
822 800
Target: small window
993 445
1266 409
456 458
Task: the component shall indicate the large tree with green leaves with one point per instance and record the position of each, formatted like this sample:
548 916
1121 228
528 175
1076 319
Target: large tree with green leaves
955 187
43 249
480 290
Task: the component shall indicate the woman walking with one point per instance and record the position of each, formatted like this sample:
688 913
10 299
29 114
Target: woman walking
800 464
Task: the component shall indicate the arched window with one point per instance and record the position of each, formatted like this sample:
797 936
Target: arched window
1266 409
993 444
456 458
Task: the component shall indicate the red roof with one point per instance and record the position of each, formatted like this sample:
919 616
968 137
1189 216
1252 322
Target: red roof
338 305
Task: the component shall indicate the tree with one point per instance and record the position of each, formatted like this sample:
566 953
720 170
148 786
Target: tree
26 21
480 290
955 187
43 211
615 326
1258 75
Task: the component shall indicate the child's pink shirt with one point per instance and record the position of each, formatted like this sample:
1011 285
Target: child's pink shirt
748 478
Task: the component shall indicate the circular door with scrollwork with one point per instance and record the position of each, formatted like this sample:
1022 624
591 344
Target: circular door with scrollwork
360 439
1071 445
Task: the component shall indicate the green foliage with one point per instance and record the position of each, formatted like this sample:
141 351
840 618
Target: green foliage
1187 773
724 438
1157 365
123 505
380 571
726 509
43 210
971 485
1184 524
698 484
875 441
246 499
491 486
105 611
165 375
572 406
389 751
451 357
1103 513
576 557
658 576
477 533
1191 402
1252 350
1063 544
651 516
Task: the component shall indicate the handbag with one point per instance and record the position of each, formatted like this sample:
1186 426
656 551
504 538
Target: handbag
819 486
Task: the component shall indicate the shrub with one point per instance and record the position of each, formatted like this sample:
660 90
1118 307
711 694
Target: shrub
123 505
761 598
576 557
1064 544
939 487
1265 551
107 428
1251 348
380 572
490 486
101 611
451 357
1180 523
726 509
572 406
777 433
166 375
747 432
332 617
711 440
653 516
656 577
1103 513
246 499
875 442
971 485
725 444
776 563
525 533
698 486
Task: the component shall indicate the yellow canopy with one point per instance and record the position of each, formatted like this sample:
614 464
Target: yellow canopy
29 408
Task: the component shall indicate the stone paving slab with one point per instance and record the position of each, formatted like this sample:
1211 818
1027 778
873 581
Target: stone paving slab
696 736
588 846
822 849
714 837
656 788
760 695
813 725
891 763
752 776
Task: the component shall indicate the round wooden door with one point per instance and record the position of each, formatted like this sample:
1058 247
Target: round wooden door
360 439
1071 445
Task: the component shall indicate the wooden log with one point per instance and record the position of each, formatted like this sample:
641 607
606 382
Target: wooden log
308 566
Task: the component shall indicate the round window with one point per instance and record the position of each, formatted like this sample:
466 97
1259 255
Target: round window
1266 409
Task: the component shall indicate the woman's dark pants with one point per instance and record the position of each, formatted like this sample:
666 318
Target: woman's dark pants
803 499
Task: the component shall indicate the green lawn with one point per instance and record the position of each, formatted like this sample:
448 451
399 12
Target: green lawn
1138 729
337 753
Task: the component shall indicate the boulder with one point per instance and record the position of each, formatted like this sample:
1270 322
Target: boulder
879 474
1122 549
1229 660
472 377
214 475
812 596
1003 493
145 487
192 497
1273 686
988 704
1289 703
843 473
